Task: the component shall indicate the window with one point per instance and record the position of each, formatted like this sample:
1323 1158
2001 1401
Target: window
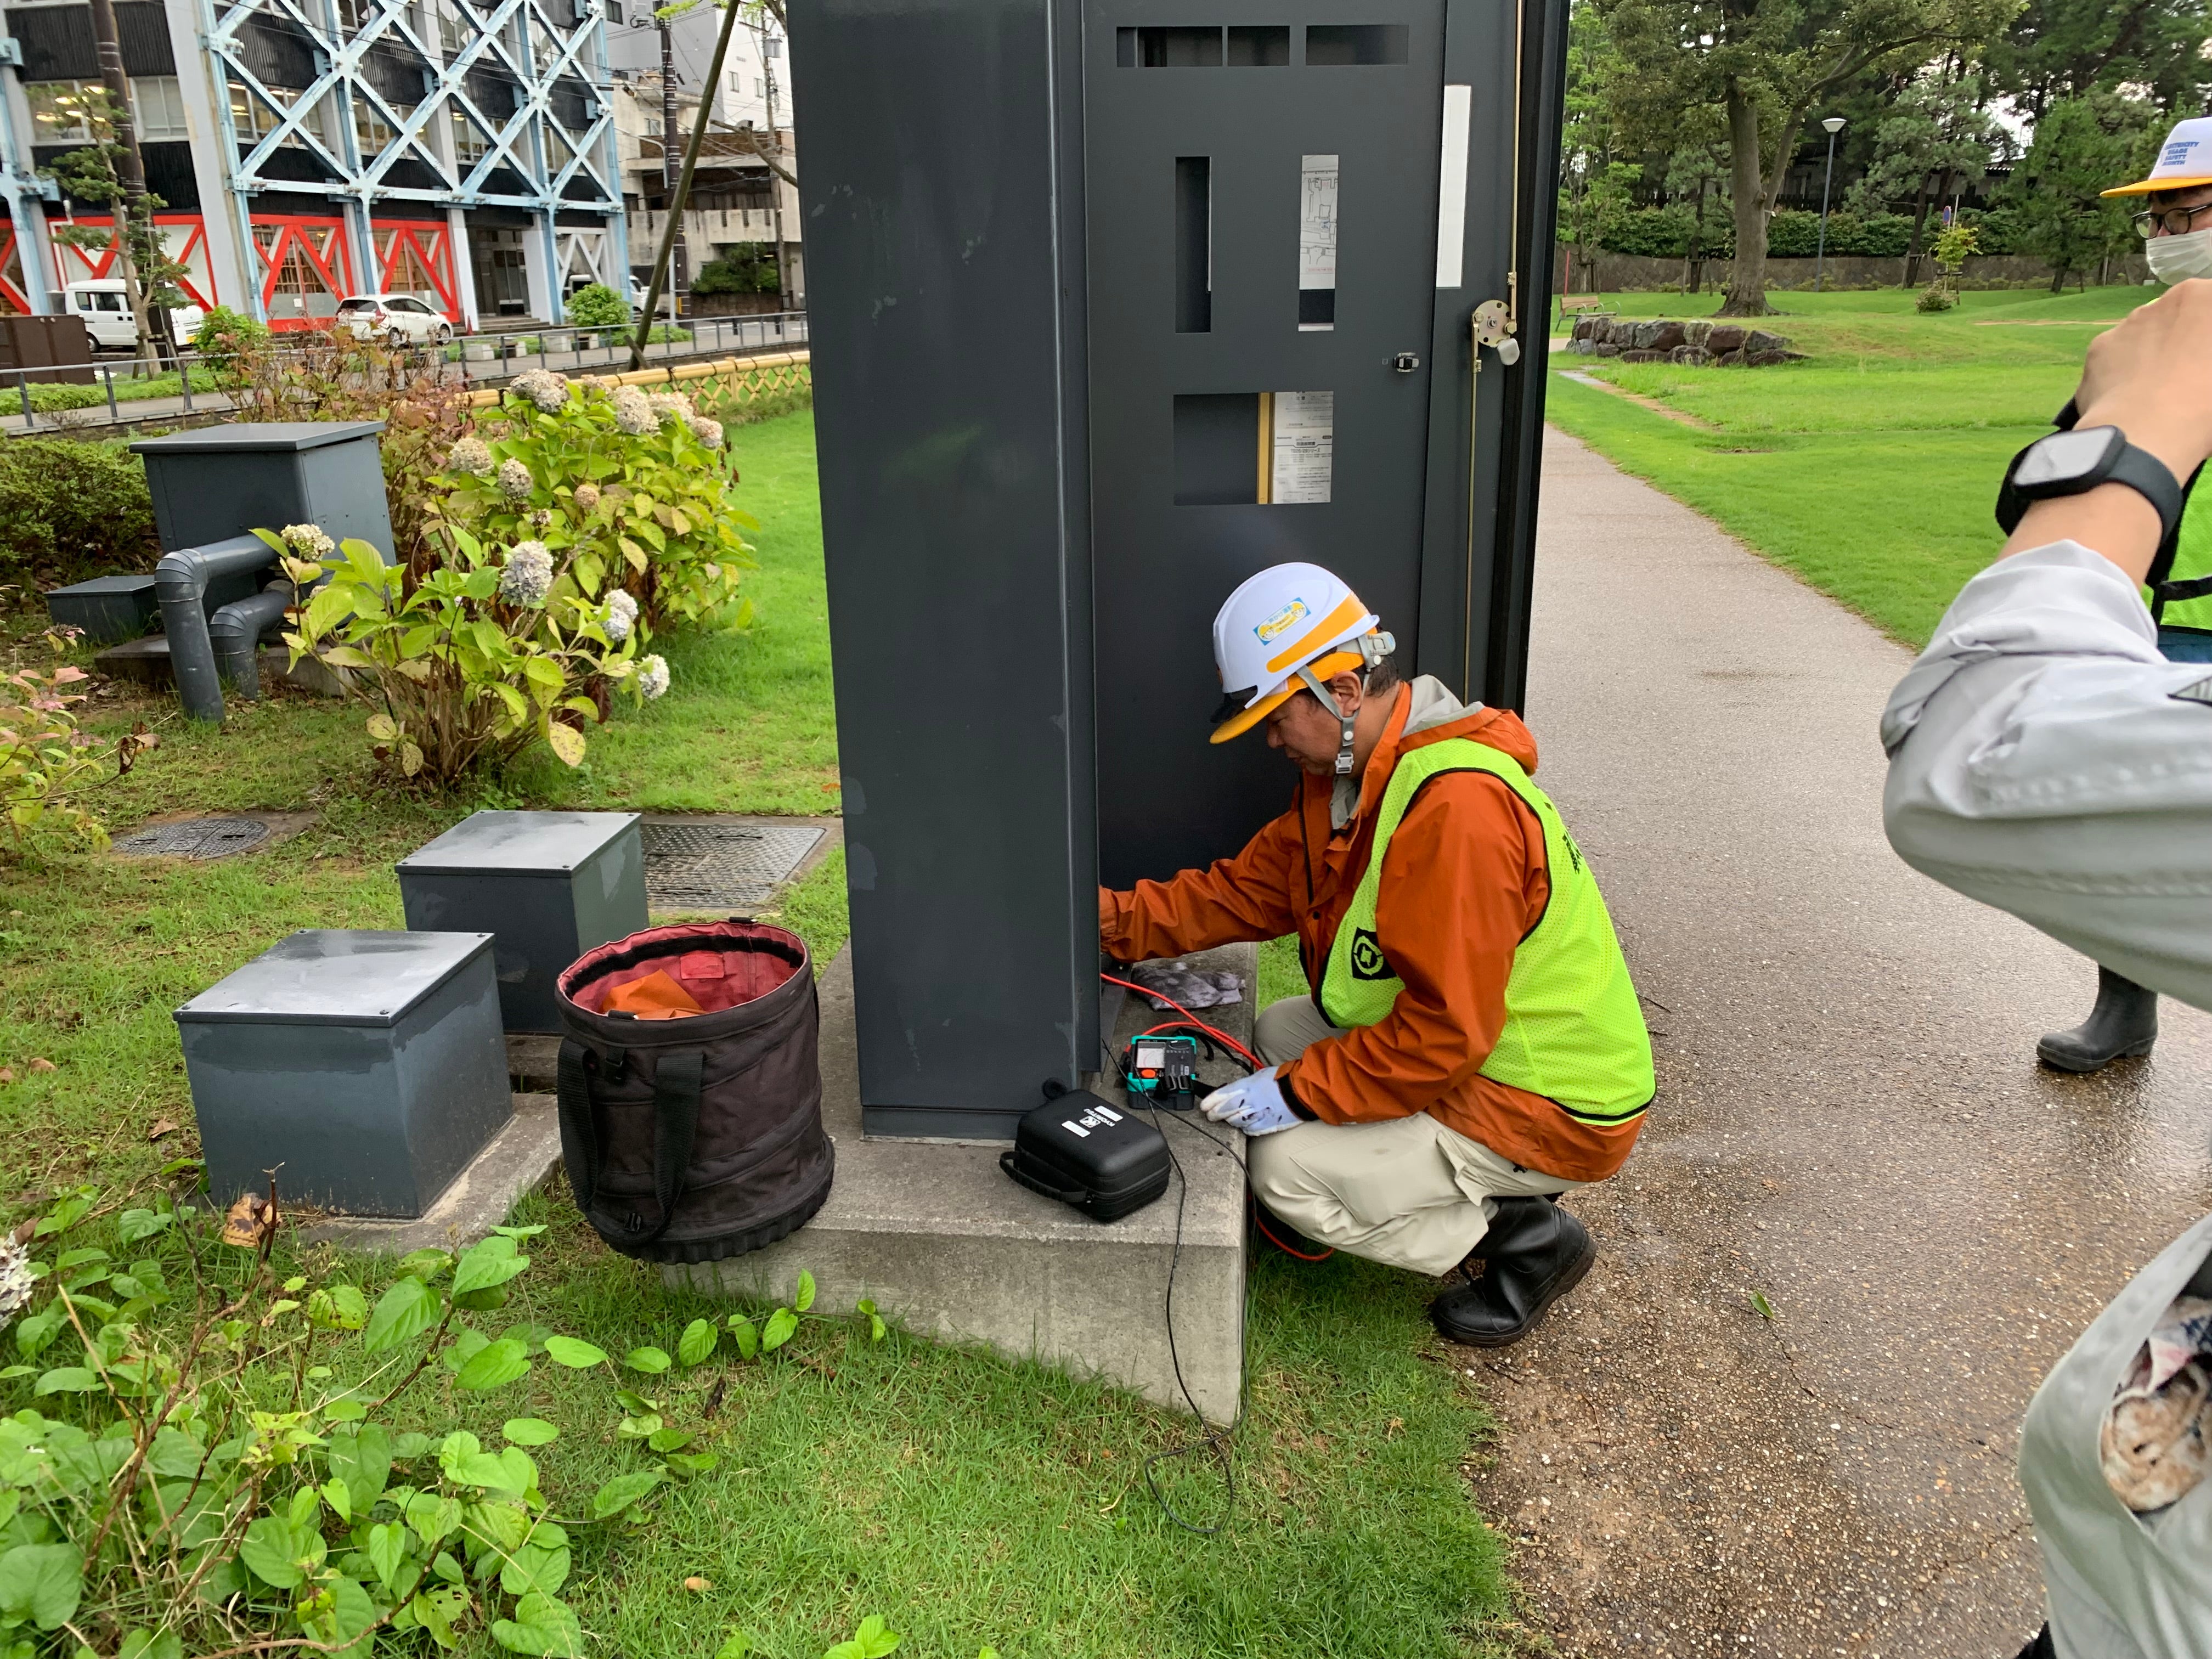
469 144
256 120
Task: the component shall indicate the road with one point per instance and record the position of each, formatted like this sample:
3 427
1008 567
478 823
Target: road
1851 1125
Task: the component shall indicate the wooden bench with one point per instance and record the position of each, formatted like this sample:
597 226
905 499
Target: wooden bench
1573 305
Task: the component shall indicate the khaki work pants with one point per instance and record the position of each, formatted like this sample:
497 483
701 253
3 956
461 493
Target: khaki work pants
1409 1192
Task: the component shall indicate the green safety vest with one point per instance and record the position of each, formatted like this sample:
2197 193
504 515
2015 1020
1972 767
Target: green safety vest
2192 558
1574 1032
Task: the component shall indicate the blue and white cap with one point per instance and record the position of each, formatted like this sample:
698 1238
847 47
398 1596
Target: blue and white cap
2184 160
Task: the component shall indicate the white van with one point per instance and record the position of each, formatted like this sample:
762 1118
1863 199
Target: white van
106 314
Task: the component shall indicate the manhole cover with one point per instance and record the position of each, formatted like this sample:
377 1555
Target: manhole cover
719 866
195 838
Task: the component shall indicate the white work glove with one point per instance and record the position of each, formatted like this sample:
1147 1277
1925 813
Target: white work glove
1253 1104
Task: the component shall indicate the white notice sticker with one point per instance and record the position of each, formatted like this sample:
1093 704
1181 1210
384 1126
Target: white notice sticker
1318 176
1074 1128
1109 1113
1305 445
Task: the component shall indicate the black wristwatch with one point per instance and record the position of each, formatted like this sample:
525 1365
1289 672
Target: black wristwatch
2070 462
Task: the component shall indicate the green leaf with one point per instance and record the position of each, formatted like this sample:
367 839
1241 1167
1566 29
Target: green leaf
40 1584
491 1470
151 1644
428 1266
669 1440
624 1490
493 1262
528 1431
388 1550
1761 1306
781 1325
576 1356
338 1307
431 1517
875 1328
344 1410
748 1339
536 1566
494 1365
466 1345
268 1548
351 1611
638 1428
456 1446
871 1641
340 1500
697 1342
68 1379
804 1299
541 1626
650 1360
407 1309
739 1646
363 1461
35 1332
693 1462
136 1224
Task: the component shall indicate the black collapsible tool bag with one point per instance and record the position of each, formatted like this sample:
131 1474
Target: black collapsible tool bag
1103 1159
695 1138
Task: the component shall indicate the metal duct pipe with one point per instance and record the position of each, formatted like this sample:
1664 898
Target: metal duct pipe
180 583
235 631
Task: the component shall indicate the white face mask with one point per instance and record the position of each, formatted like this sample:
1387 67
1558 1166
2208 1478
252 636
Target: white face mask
2177 258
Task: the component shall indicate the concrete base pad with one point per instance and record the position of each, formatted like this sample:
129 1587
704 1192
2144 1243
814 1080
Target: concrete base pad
512 1163
944 1241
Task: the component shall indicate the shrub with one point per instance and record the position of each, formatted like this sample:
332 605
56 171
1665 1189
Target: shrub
597 307
71 509
45 763
1935 297
743 268
196 1476
224 336
487 652
622 478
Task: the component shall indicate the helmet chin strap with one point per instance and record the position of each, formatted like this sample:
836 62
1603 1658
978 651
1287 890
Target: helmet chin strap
1344 720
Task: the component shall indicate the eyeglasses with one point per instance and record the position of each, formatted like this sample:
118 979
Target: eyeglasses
2174 222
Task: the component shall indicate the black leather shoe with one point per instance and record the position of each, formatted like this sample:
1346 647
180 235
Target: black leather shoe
1536 1252
2124 1022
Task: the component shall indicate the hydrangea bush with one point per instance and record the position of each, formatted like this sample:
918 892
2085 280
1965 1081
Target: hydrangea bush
490 651
624 489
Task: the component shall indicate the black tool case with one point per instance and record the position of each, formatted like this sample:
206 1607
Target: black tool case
1103 1159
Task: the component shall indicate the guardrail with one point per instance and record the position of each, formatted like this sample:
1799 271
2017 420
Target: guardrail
117 393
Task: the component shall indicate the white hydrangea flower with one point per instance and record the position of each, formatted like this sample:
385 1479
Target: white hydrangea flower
671 403
469 455
622 616
514 481
653 676
587 497
16 1280
708 432
308 541
548 390
542 519
633 412
527 576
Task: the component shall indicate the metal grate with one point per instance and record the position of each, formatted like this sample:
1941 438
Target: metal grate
719 867
195 838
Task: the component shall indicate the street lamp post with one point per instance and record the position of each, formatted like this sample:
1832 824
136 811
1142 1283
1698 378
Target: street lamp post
1834 123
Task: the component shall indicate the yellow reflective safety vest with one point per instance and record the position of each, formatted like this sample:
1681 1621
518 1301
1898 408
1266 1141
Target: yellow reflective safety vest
2192 561
1574 1032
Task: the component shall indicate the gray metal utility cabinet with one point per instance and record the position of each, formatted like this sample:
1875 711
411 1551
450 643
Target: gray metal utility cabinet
370 1064
1114 303
212 488
550 885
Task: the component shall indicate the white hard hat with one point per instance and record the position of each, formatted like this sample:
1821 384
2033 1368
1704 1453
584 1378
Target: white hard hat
1289 618
2184 160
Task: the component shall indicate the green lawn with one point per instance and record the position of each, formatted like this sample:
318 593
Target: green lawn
1871 468
966 1499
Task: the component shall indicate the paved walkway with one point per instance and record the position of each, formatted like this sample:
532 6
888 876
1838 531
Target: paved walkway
1851 1123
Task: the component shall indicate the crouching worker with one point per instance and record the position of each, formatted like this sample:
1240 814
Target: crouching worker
1472 1047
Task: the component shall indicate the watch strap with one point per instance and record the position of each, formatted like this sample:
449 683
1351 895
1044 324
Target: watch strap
2138 469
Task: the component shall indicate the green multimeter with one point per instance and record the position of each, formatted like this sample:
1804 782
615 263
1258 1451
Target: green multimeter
1163 1069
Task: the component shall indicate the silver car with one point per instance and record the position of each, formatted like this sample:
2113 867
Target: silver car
398 319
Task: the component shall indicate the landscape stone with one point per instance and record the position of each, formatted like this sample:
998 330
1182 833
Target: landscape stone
1636 354
1662 336
1763 359
1608 348
1759 340
1729 359
1695 331
1725 336
1694 356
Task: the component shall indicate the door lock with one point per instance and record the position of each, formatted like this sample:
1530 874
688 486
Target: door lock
1493 326
1404 362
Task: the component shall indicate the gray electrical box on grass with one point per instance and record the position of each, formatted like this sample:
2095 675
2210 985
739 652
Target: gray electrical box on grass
549 885
218 482
1114 303
369 1065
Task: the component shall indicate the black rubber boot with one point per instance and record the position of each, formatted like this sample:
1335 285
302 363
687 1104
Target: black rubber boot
2124 1022
1536 1252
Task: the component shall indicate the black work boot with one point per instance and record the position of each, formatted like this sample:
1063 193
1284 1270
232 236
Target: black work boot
2124 1022
1536 1252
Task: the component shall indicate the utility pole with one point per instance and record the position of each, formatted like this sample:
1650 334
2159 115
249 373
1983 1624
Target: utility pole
130 169
670 168
683 190
774 183
1834 123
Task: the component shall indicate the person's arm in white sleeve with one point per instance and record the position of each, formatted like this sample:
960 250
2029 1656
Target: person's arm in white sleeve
2043 757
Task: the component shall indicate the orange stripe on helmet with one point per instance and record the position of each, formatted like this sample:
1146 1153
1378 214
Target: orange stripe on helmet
1323 632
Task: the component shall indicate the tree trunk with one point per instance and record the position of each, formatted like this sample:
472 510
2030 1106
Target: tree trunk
1746 288
131 210
1919 226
